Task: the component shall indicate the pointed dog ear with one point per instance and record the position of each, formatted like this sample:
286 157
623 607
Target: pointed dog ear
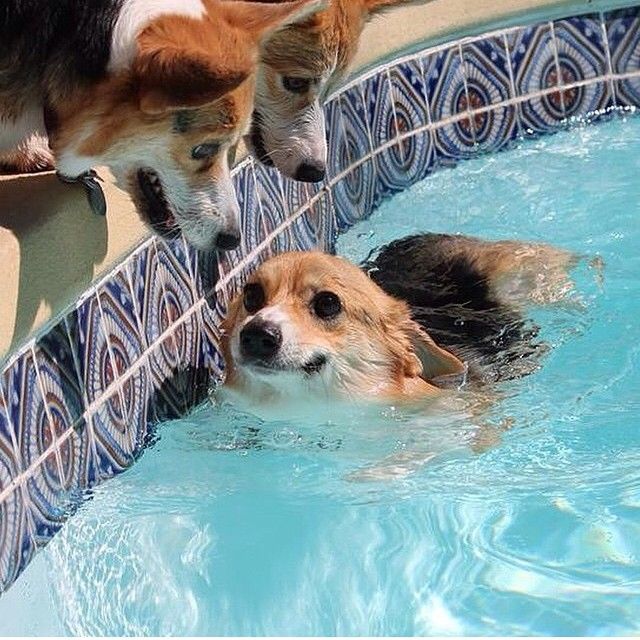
179 66
263 19
427 359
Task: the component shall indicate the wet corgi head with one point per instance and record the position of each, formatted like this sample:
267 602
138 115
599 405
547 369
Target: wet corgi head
314 323
177 96
298 63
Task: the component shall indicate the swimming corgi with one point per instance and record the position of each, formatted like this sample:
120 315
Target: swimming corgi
157 90
435 308
299 63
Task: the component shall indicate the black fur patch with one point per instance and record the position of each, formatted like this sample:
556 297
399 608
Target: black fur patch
55 43
452 300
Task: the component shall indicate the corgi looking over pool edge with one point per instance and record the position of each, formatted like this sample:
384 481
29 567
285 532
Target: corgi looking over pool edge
157 90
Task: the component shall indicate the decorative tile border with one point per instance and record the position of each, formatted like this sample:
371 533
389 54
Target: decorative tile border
79 404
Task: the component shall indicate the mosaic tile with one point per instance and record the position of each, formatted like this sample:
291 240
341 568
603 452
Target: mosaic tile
148 293
16 543
409 96
455 141
77 457
250 212
445 83
542 114
211 331
495 129
533 59
297 195
338 157
623 35
206 270
120 322
486 65
588 101
404 164
178 290
58 371
89 342
27 411
322 216
627 92
48 501
138 410
354 119
9 467
114 438
271 198
581 48
379 117
355 197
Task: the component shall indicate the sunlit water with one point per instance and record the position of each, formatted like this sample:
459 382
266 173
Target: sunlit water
233 525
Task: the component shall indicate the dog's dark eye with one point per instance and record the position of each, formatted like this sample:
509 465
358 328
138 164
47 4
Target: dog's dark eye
253 297
205 151
296 85
326 305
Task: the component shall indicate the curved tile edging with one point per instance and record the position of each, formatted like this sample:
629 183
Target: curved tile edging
78 405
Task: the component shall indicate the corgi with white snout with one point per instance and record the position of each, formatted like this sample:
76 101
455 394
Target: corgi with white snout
299 64
312 324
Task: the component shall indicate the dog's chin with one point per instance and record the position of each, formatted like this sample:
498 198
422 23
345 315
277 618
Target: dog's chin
153 206
307 369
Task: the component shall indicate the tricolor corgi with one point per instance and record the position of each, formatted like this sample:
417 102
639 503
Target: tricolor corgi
157 90
298 64
315 324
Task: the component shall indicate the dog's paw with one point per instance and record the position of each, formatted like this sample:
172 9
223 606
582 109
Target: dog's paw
33 155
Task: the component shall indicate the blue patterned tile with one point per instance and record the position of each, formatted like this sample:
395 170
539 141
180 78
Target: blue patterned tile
444 80
9 467
76 453
454 141
250 213
206 270
163 363
136 395
533 59
354 197
627 92
91 349
495 129
16 543
594 100
354 118
148 293
211 332
60 378
486 66
48 501
296 195
338 158
304 232
176 280
623 34
405 163
379 109
541 114
120 322
114 438
271 198
409 96
322 217
27 411
581 48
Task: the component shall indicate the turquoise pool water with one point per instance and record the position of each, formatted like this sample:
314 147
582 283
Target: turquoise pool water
236 525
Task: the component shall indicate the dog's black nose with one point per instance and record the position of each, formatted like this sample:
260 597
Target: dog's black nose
310 172
260 340
227 241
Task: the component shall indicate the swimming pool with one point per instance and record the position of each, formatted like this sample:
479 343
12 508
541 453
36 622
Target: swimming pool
233 524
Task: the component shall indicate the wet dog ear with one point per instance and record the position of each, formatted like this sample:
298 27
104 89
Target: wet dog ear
263 19
376 6
427 359
178 68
